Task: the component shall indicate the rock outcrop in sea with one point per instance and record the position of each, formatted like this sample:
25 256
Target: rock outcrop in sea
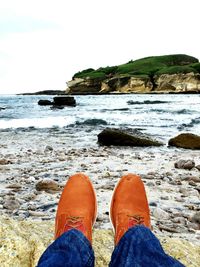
161 74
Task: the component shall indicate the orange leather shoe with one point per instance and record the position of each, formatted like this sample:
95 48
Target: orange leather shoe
77 207
129 206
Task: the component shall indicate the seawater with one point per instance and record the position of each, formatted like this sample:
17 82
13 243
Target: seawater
162 116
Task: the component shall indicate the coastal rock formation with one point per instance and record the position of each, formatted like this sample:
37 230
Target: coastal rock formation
165 83
84 86
160 74
182 82
127 84
186 140
23 242
125 138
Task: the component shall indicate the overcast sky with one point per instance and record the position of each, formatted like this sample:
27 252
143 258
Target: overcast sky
44 42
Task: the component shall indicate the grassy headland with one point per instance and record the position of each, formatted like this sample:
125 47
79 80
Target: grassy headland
145 67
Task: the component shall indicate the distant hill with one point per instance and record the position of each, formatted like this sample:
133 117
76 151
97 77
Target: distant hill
46 92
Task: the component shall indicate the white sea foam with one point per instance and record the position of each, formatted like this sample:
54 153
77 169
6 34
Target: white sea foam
36 122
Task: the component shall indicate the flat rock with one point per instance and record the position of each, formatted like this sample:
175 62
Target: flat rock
118 137
186 140
23 242
184 164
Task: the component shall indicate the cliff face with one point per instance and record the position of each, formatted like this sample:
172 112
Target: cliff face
176 83
189 82
84 86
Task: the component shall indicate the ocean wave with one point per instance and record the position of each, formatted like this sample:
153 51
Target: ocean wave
131 102
114 109
180 111
191 124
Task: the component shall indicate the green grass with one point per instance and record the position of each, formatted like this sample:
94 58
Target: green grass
176 70
146 67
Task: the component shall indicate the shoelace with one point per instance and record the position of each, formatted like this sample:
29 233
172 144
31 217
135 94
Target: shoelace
134 220
74 222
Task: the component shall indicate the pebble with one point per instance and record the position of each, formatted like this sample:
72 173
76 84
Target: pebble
47 185
184 164
160 214
11 203
150 184
198 167
48 148
4 161
196 218
14 186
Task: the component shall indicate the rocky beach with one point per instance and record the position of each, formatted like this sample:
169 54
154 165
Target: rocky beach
34 169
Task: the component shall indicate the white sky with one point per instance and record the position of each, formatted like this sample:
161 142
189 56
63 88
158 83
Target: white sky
44 42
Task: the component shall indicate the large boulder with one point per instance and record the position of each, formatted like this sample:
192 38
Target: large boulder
125 138
186 140
23 242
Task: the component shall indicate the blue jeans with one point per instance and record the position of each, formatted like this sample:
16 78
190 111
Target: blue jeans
137 248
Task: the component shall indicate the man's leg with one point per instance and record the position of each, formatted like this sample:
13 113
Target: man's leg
76 214
136 246
139 247
71 249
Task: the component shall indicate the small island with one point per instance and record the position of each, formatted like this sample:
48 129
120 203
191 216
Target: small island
159 74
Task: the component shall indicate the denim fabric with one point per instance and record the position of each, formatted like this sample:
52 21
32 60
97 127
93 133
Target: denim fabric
139 247
71 249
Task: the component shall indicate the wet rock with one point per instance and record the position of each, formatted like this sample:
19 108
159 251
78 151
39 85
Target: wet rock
153 204
64 101
184 164
160 214
45 102
186 140
47 185
118 137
